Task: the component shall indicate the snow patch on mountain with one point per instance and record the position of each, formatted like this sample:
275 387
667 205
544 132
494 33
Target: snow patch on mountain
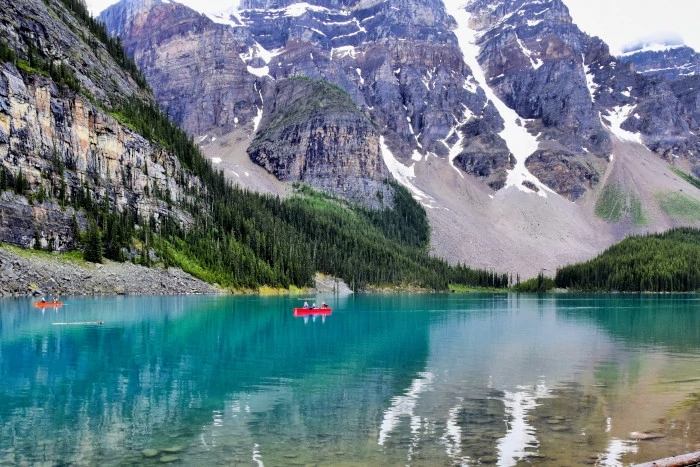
520 142
258 51
258 117
402 173
617 117
455 150
294 10
536 62
225 19
590 82
359 73
345 51
259 72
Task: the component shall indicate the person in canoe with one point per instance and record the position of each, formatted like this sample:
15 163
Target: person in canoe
306 305
323 305
313 306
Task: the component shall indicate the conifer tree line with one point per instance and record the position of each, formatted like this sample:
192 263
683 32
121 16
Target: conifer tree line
666 262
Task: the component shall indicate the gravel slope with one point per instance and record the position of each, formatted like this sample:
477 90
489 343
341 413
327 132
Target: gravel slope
26 273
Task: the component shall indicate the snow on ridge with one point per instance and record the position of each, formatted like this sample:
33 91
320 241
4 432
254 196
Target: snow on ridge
652 48
294 10
224 17
520 142
221 18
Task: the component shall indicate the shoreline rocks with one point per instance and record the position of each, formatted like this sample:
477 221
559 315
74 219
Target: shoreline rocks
38 274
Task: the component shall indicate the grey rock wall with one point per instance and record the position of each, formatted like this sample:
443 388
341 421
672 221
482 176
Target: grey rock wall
44 124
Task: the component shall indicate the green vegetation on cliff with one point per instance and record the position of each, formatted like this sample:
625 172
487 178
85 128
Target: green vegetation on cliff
114 47
667 262
312 96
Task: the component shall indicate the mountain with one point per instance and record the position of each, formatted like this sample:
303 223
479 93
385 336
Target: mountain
496 116
670 61
299 120
89 162
677 67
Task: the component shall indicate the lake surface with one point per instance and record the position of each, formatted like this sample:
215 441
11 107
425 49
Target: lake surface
385 380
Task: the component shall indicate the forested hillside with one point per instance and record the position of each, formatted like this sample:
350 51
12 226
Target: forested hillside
209 227
667 262
244 239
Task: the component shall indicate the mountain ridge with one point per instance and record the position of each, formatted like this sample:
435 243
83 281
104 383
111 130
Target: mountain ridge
578 110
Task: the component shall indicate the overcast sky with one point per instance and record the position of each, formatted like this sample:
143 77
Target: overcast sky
618 22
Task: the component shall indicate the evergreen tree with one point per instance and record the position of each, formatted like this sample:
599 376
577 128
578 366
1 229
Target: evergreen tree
3 178
21 184
666 262
93 244
37 240
75 229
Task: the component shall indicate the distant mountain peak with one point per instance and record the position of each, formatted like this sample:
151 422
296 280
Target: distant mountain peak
653 46
669 59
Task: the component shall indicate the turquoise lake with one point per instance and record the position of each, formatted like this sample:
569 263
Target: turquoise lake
427 380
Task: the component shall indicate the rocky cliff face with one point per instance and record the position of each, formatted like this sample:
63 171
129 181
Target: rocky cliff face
571 90
398 61
64 144
534 58
193 64
56 34
313 133
407 65
670 95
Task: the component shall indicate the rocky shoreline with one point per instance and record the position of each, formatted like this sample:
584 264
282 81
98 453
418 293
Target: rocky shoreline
25 273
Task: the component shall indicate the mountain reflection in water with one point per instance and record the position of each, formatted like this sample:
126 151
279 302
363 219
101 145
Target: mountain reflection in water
411 379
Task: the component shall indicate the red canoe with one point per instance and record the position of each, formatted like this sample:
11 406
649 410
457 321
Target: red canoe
312 311
47 304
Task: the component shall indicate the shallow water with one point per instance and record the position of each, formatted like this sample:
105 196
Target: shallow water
399 380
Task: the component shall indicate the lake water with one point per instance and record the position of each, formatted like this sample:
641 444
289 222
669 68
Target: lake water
385 380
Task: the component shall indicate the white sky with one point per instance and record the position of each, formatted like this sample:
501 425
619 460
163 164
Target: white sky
625 22
618 22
